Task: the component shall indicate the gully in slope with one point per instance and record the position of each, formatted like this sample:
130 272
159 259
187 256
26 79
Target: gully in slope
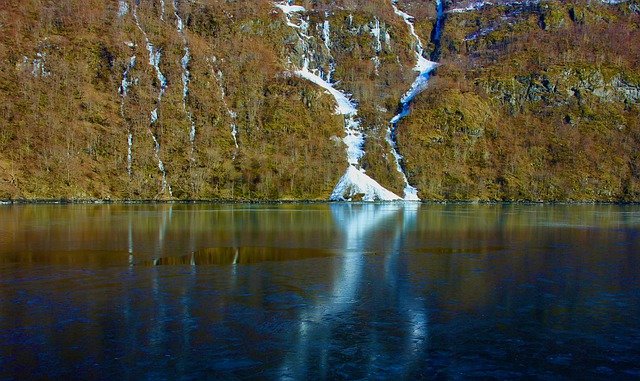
154 60
425 68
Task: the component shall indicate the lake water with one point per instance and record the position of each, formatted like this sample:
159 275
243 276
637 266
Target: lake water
319 291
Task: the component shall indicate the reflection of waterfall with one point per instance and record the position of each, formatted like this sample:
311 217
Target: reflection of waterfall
411 308
130 239
162 233
368 229
358 222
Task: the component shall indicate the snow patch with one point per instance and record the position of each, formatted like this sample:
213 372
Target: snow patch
289 9
38 65
475 6
356 184
376 33
123 8
344 106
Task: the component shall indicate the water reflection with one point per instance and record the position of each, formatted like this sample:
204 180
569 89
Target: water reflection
364 227
320 291
235 256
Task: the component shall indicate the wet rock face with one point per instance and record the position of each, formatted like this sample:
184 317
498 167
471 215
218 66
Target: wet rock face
630 90
562 88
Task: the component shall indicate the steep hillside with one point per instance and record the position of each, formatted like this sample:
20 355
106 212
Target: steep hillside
181 99
532 101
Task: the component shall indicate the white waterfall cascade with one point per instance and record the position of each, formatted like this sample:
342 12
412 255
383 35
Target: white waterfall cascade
123 8
123 90
376 32
39 65
186 75
326 38
355 182
424 67
154 60
219 76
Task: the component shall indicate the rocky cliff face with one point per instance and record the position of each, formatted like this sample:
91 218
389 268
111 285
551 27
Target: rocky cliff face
236 99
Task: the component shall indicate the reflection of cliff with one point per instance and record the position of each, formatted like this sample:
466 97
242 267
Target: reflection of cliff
238 256
476 256
151 232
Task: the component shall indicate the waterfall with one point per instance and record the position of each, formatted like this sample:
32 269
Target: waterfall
123 90
186 76
219 76
425 68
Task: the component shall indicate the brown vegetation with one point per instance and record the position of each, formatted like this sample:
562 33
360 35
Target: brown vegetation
540 106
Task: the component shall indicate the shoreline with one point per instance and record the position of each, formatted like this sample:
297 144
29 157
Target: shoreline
275 202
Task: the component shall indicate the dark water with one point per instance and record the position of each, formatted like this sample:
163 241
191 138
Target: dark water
319 291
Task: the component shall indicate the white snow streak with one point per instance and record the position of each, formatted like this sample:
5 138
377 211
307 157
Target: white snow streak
124 85
129 151
344 106
290 10
471 7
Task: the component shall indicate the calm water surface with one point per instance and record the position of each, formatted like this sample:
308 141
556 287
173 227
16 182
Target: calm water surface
319 291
